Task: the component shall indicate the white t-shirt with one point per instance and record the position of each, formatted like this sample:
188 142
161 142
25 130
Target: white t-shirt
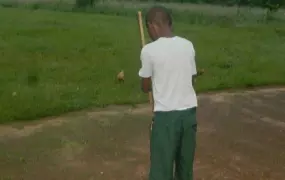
170 62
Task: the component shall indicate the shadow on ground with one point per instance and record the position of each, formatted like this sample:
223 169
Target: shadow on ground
241 136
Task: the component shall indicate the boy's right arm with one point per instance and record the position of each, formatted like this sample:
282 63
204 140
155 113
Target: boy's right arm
146 71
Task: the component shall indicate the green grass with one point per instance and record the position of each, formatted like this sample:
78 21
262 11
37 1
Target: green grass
54 62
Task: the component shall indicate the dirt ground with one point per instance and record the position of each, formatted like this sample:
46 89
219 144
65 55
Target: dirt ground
241 136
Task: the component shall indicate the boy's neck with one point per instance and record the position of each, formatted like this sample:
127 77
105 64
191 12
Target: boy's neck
167 34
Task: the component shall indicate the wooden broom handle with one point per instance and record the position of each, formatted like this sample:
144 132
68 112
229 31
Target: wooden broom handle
150 96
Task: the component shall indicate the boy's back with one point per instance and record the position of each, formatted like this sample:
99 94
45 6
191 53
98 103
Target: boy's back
173 65
169 61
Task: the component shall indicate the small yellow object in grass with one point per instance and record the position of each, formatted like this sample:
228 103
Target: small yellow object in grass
121 76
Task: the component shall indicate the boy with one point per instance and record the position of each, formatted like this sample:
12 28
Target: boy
168 66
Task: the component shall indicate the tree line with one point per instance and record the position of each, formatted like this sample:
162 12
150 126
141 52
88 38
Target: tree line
270 5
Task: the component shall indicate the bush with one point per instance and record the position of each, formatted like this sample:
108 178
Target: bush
272 5
8 4
84 3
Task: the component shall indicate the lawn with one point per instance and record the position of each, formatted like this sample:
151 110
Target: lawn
54 62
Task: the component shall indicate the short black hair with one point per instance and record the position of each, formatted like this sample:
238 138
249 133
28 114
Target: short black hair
159 15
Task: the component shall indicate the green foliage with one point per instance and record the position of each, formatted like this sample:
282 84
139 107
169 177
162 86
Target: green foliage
8 4
243 2
84 3
189 13
272 5
255 3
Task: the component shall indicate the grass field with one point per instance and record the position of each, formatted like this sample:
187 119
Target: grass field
54 62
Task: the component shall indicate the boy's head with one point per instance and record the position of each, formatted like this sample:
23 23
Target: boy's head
158 22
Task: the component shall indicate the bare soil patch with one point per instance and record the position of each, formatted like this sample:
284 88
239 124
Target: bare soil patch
240 136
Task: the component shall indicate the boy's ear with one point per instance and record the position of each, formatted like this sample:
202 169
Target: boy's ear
149 24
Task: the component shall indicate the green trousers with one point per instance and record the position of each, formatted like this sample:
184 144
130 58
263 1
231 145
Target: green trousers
172 144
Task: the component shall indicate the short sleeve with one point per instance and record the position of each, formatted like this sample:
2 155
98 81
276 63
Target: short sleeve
146 65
